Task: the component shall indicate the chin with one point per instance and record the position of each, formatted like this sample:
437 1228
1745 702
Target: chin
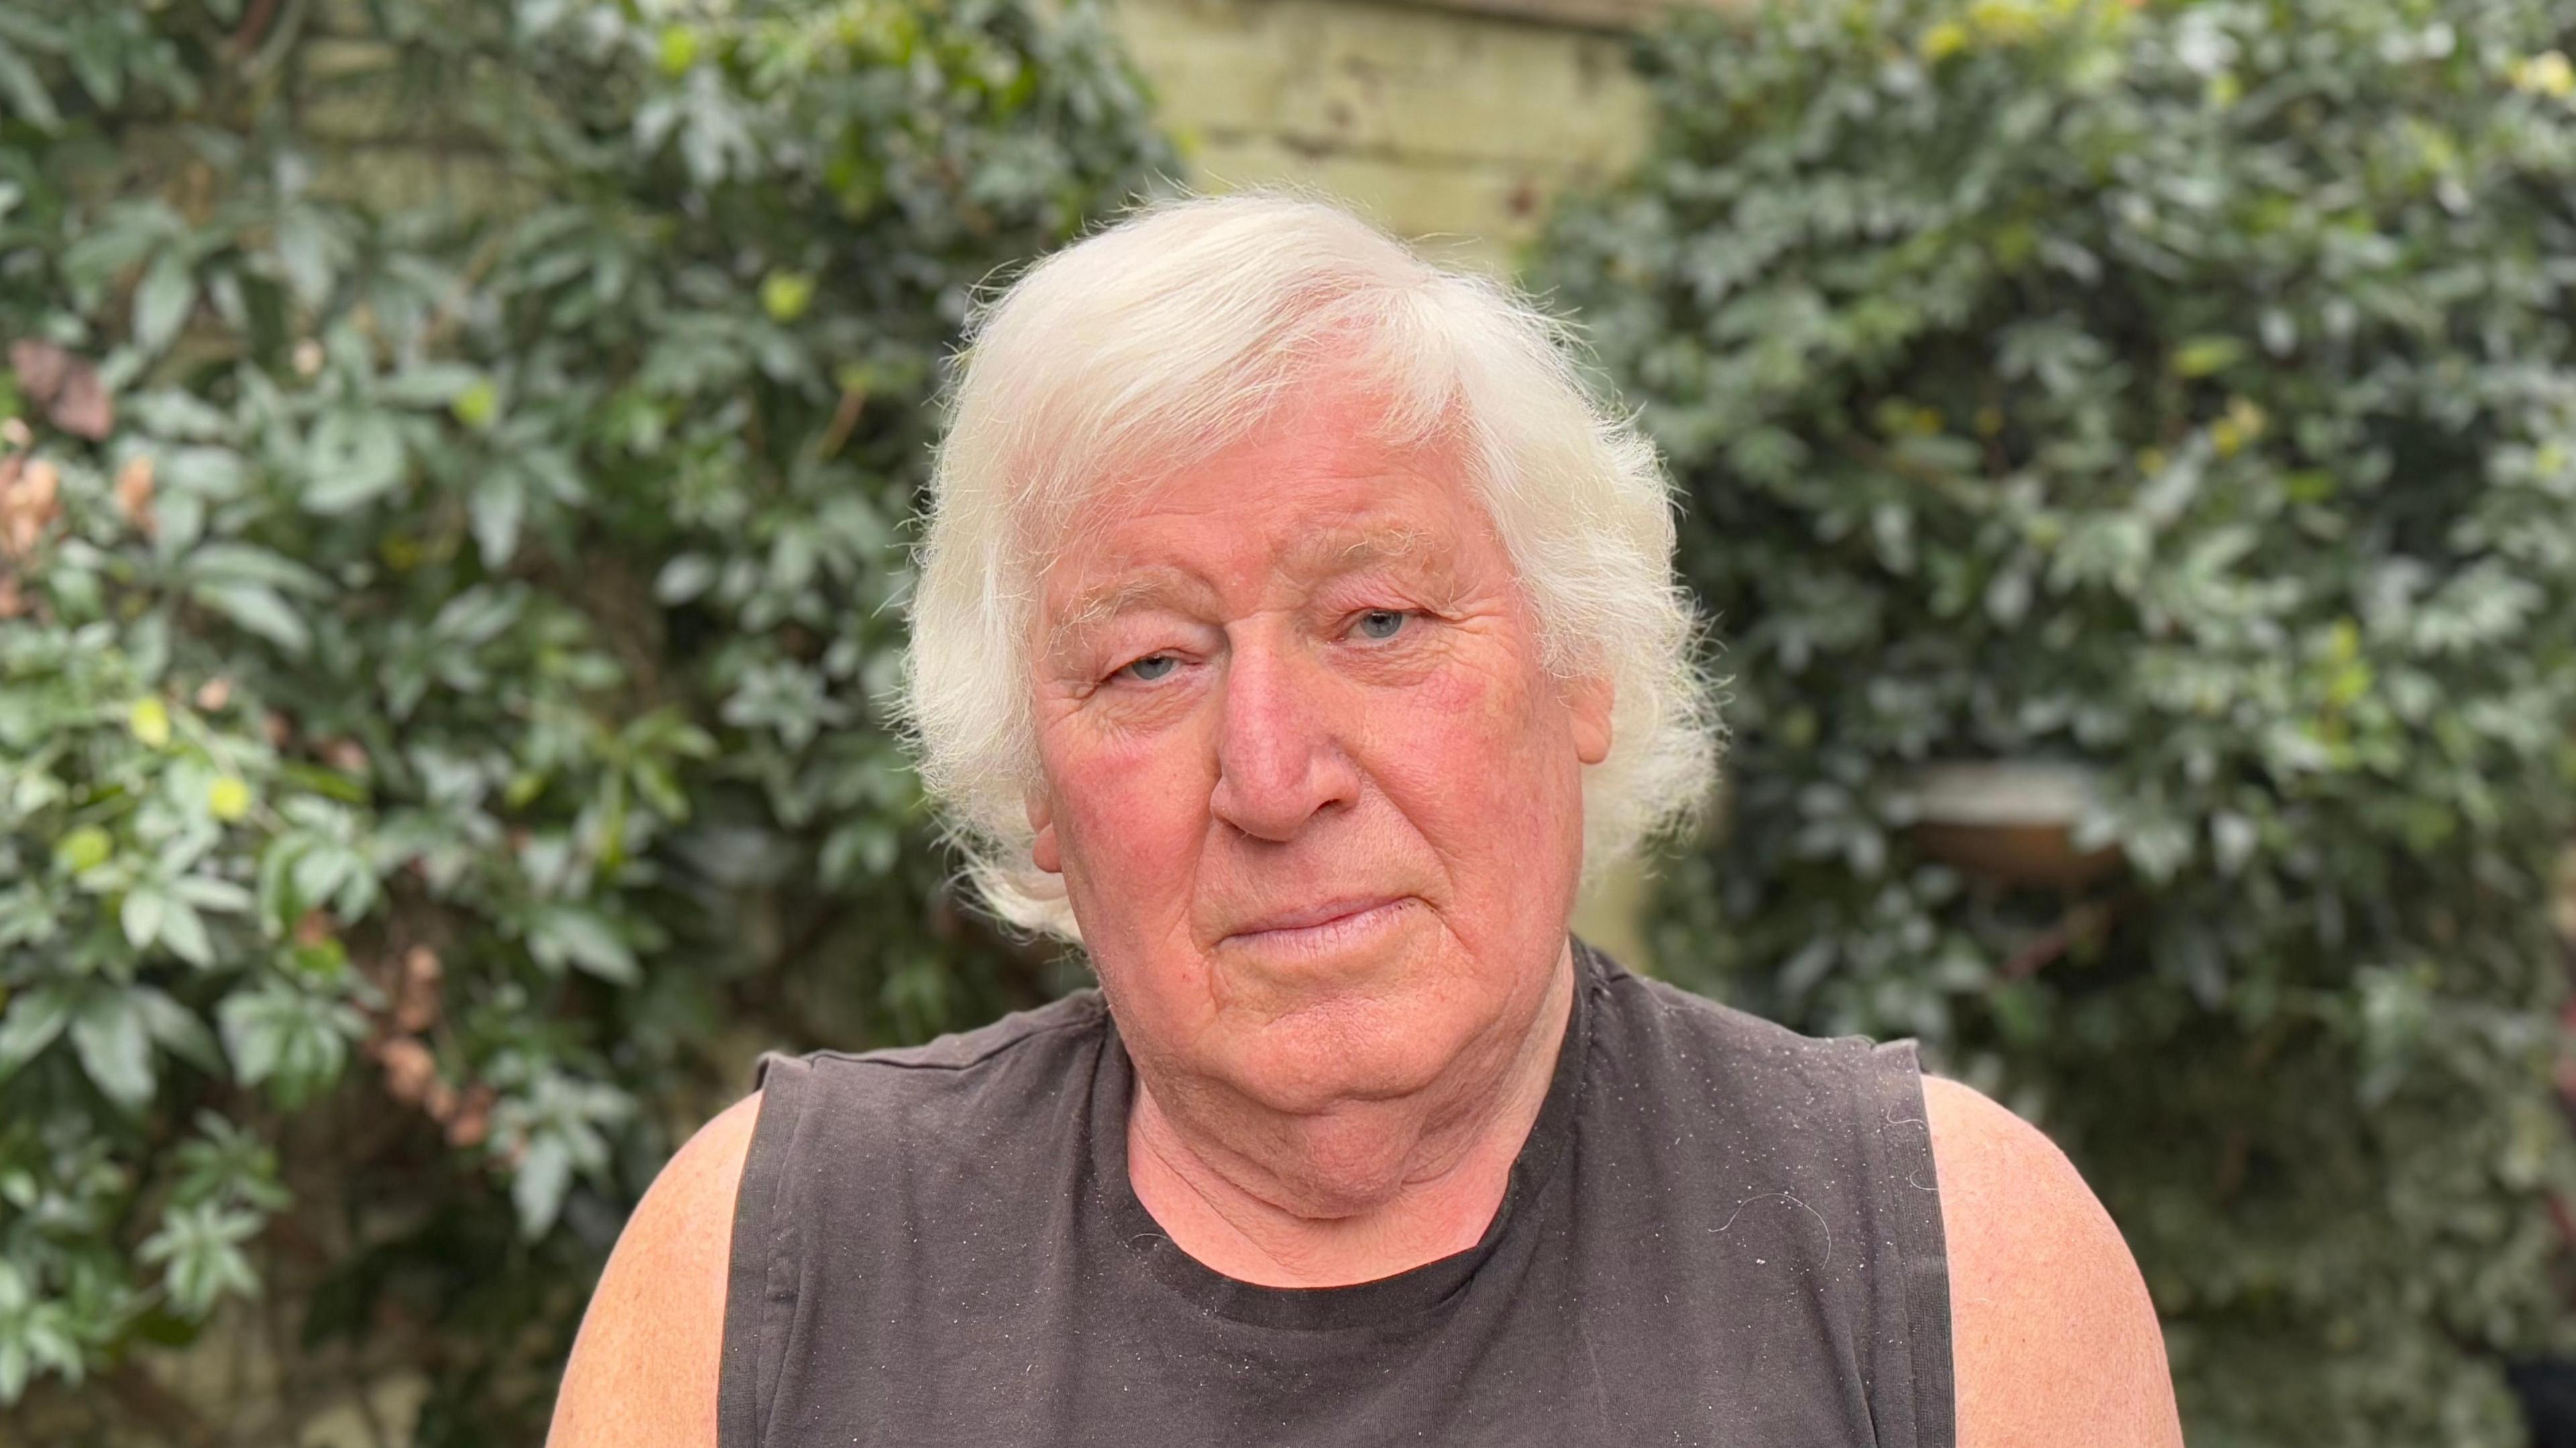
1347 1052
1319 1023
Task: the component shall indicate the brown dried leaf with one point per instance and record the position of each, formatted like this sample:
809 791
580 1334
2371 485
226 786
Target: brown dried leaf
28 502
84 409
314 928
41 367
134 492
65 385
410 1070
417 1002
473 1120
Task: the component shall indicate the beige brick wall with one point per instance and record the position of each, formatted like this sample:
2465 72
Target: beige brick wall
1454 126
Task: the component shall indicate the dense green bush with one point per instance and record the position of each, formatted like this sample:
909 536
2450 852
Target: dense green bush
450 537
2186 393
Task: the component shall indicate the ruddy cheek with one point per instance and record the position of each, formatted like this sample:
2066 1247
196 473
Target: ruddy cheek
1480 722
1497 756
1132 816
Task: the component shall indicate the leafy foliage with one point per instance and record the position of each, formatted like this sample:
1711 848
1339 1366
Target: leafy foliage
2185 393
448 564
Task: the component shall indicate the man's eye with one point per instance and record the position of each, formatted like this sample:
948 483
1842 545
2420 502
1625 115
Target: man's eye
1151 667
1382 623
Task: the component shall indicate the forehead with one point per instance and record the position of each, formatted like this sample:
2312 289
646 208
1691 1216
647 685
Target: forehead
1314 492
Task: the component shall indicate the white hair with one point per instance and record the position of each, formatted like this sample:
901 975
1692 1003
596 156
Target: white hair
1158 341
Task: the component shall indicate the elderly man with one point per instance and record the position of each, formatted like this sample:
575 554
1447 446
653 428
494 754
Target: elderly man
1295 633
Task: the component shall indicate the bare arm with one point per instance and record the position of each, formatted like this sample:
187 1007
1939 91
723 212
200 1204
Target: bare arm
2055 1340
643 1370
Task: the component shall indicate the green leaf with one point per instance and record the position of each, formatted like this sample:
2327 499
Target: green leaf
35 1018
2202 356
245 563
32 31
308 250
479 614
85 848
185 933
162 301
257 607
255 1029
558 934
97 58
430 384
140 915
497 504
539 1185
115 1047
201 1246
786 295
126 234
320 869
683 578
291 1038
178 1030
28 99
477 404
209 893
352 459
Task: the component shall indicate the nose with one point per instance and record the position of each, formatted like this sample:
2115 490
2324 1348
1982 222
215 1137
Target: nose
1280 760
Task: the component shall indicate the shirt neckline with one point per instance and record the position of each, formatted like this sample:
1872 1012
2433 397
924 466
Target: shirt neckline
1413 1291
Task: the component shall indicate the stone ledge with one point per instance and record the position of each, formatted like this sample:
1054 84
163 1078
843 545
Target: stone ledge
1613 15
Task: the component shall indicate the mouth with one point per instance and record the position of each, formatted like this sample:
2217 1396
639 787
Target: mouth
1324 926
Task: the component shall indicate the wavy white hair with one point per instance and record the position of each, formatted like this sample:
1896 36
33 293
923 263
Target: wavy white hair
1156 342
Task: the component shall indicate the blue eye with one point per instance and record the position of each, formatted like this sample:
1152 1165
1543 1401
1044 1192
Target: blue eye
1382 623
1151 667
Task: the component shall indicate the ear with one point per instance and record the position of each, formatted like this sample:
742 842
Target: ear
1042 849
1589 700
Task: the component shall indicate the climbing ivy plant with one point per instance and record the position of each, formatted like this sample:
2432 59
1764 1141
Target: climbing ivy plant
454 460
2178 398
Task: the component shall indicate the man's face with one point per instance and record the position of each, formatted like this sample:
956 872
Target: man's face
1316 802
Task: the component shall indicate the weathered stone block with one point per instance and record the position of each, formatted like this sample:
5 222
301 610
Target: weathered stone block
1367 76
1406 88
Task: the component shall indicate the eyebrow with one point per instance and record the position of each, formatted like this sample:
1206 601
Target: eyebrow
1329 555
1326 555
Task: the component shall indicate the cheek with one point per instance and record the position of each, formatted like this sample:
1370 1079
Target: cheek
1130 810
1482 763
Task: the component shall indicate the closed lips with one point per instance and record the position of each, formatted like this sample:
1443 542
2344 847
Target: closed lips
1319 917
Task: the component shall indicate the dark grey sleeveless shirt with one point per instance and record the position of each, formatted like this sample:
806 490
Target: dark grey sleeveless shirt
1718 1232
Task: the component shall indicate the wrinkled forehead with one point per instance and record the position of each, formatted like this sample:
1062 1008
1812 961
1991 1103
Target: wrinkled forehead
1090 588
1356 409
1324 483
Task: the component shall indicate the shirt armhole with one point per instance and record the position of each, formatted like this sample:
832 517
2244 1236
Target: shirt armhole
1911 1183
760 1278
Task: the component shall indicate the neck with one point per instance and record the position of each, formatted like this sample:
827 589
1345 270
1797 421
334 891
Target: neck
1349 1195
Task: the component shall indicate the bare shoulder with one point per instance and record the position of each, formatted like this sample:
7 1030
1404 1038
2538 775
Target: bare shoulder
2055 1337
643 1371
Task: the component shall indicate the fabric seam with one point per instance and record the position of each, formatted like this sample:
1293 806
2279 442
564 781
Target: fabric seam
1090 1021
1935 1422
747 1407
773 1300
